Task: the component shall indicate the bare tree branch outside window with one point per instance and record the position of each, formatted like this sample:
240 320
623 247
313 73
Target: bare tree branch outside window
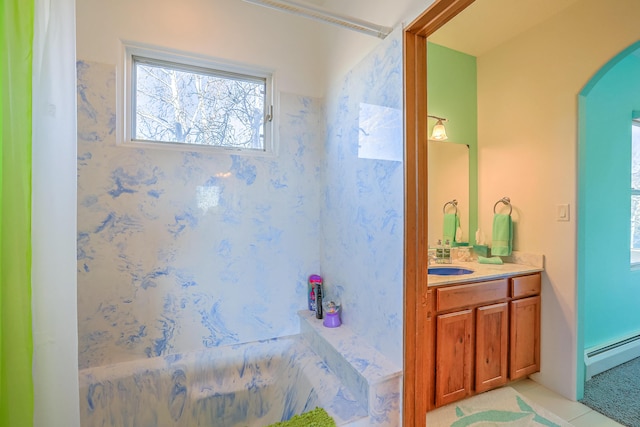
184 106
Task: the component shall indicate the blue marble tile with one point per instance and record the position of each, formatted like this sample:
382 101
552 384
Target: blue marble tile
187 259
363 203
252 384
374 380
187 243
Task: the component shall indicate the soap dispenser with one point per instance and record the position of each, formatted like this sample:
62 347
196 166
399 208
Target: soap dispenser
447 252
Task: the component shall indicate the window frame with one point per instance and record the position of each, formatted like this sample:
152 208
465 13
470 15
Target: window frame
634 192
125 108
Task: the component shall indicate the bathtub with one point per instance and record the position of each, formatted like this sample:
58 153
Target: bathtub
252 384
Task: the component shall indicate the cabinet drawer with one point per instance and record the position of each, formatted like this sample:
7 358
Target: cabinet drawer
460 296
524 286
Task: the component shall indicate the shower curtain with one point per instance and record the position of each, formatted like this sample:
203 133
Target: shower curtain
16 344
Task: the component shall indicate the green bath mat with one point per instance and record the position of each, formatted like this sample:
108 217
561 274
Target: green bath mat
316 418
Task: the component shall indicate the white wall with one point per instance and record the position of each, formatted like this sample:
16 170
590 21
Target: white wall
527 108
232 30
306 54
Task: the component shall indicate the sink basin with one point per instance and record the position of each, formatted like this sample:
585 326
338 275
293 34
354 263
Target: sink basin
448 271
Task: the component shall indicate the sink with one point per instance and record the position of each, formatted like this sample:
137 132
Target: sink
448 271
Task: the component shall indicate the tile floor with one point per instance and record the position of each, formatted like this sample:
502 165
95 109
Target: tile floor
574 412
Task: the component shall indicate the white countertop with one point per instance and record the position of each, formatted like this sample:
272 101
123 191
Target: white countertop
525 264
480 272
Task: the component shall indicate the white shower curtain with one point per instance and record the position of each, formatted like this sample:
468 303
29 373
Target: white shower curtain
55 355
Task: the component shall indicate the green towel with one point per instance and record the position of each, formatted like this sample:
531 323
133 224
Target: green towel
316 418
492 260
502 243
451 224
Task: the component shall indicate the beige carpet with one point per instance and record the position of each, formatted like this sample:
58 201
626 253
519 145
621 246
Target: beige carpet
500 407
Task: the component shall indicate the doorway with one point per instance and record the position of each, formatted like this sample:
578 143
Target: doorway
606 315
417 320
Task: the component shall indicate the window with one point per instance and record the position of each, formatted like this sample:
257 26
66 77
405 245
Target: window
179 100
635 193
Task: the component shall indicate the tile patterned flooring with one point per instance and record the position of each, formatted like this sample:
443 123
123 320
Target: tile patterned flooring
574 412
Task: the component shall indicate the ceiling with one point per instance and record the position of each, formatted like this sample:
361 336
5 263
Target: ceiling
482 26
487 24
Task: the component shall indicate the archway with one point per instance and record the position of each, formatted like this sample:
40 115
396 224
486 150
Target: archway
607 312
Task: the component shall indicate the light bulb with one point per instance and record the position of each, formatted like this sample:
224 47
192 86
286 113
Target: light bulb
439 133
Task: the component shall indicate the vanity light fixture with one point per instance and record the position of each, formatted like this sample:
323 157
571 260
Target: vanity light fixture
439 133
324 15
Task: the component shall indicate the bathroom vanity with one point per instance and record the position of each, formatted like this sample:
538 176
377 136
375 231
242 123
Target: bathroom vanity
484 330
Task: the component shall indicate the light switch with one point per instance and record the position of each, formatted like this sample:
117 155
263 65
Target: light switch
563 212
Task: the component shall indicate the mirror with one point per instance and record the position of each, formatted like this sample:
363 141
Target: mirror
448 180
452 165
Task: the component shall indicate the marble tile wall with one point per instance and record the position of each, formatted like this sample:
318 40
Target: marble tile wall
183 251
363 203
373 379
254 384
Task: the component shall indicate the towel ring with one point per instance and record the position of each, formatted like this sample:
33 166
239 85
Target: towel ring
453 203
506 201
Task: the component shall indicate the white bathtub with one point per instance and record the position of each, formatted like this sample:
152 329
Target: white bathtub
253 384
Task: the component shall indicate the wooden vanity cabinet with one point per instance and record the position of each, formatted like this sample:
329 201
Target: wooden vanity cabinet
486 334
525 326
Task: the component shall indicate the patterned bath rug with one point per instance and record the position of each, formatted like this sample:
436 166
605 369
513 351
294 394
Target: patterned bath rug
496 408
316 418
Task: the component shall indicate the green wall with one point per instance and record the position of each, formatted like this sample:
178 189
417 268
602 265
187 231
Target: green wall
452 93
607 287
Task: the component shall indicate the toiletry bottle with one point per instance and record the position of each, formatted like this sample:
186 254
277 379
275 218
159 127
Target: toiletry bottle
319 300
439 252
447 252
314 279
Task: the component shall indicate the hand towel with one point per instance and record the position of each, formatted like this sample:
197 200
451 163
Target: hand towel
451 224
502 235
492 260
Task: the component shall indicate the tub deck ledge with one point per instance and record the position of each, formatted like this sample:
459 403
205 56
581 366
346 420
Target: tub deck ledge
372 378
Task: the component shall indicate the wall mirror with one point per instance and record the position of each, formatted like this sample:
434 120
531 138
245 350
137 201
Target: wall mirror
448 168
452 163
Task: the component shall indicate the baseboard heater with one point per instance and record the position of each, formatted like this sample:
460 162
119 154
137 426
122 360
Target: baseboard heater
602 358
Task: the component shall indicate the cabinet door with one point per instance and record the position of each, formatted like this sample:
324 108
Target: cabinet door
492 337
453 356
525 337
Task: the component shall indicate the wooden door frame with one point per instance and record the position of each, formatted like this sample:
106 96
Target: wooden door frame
416 384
